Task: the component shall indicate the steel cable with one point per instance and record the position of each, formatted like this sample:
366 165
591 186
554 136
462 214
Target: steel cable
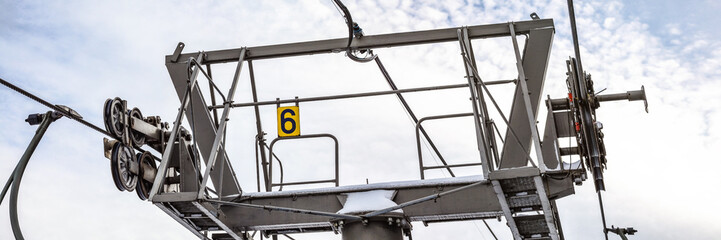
63 111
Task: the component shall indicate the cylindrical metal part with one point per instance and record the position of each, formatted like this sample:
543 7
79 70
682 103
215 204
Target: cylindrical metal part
613 97
454 165
357 95
377 228
148 171
630 96
637 95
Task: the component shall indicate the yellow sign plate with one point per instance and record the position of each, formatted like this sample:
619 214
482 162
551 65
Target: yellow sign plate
288 121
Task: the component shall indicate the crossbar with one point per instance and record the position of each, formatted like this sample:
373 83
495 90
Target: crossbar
367 42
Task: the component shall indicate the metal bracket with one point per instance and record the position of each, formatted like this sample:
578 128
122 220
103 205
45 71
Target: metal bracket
177 52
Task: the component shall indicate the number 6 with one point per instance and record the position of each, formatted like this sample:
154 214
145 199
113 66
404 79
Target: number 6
284 119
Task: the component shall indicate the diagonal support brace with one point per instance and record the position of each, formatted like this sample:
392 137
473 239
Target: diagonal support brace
221 127
162 169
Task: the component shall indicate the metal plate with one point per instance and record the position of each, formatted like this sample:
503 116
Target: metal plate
288 121
136 137
123 156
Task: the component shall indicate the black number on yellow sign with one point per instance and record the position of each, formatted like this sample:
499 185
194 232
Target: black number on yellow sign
288 121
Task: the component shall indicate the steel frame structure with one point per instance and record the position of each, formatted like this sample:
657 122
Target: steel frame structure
507 188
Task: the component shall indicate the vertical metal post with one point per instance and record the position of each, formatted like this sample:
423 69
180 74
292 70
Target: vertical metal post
162 169
463 39
487 127
494 144
527 100
268 166
260 139
221 127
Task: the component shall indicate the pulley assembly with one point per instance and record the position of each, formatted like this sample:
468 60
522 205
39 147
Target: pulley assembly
130 170
581 104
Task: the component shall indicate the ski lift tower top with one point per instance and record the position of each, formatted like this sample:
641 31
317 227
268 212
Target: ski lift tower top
513 184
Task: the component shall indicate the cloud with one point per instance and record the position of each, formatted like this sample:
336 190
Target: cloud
80 53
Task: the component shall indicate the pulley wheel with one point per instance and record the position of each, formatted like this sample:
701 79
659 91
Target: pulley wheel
115 118
135 136
113 166
144 187
123 158
106 114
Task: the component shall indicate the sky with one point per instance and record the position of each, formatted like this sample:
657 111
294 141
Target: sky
662 175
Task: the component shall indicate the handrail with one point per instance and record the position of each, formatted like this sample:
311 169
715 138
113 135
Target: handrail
270 184
418 141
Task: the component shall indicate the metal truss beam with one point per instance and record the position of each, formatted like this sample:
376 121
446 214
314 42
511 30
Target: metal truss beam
368 42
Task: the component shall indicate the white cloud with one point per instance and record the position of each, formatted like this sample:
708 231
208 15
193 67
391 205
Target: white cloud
79 53
674 29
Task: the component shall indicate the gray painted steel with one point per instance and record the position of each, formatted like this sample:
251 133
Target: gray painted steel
423 168
412 115
480 198
551 153
527 101
220 132
535 63
206 130
482 201
506 210
368 41
336 176
373 230
184 94
181 221
356 95
546 206
476 98
211 213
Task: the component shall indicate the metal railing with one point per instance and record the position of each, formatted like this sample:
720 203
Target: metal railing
270 184
423 168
